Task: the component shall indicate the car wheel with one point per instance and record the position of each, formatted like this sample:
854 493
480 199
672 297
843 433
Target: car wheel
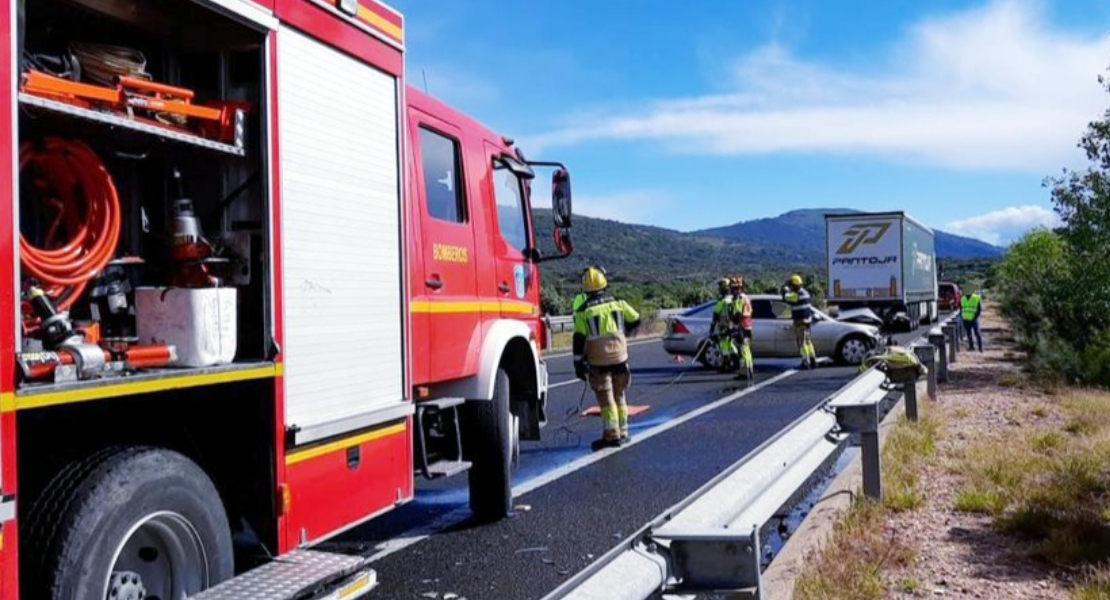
711 355
853 349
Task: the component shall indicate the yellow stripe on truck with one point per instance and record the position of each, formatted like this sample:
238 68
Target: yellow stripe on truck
20 402
381 23
426 307
299 456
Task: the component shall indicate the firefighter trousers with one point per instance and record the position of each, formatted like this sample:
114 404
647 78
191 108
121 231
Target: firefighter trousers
804 340
609 384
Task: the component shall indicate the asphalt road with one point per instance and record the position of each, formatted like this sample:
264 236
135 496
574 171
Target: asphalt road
573 504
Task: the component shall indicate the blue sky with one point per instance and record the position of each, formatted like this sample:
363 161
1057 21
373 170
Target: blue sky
698 114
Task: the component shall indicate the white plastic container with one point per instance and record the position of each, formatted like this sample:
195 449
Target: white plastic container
200 323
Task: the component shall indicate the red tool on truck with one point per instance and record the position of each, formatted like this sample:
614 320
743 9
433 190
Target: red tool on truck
226 343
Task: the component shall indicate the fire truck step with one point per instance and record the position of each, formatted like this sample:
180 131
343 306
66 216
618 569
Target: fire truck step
448 468
298 575
440 403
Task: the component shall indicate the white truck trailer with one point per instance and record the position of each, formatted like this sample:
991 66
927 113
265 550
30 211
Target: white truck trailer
885 262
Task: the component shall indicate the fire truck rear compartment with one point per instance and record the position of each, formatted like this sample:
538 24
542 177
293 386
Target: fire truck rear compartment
227 425
190 269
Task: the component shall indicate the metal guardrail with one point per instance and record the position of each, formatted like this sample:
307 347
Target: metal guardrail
562 324
566 323
711 541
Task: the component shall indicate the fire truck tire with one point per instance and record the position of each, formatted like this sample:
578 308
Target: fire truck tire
490 440
128 522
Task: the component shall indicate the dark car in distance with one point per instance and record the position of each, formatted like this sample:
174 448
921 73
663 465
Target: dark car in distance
950 296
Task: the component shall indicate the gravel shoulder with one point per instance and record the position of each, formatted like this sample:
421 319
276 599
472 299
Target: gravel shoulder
959 554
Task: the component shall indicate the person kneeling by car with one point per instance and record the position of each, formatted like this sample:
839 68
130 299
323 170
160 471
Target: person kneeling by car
601 325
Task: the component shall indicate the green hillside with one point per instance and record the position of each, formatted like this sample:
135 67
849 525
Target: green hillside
662 268
656 267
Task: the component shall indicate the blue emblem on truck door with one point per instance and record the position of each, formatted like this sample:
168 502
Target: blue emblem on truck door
520 279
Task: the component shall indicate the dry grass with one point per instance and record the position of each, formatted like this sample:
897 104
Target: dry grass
1093 585
851 566
1052 488
907 449
862 547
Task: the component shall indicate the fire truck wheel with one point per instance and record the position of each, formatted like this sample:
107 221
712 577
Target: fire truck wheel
134 522
490 440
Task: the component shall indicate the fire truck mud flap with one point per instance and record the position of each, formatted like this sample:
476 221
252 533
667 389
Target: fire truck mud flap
300 575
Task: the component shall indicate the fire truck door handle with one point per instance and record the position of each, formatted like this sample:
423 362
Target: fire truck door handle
435 282
504 287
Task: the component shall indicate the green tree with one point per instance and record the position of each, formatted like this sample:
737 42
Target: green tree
1082 200
1035 267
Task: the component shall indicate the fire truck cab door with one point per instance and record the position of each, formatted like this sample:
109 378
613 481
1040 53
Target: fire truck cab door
517 287
446 310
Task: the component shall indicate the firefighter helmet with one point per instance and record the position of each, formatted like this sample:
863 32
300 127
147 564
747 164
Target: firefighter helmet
723 284
737 282
593 279
796 279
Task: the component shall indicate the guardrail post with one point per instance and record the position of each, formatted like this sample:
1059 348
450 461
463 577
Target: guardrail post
863 418
907 378
939 341
871 456
953 341
927 354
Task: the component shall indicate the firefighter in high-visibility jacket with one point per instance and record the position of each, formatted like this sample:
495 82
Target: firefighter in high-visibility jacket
720 329
741 316
601 353
801 312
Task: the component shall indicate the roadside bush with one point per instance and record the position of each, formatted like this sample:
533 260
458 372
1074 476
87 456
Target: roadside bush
1055 285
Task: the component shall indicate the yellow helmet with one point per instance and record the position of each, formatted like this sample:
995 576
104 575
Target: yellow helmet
795 279
723 284
593 280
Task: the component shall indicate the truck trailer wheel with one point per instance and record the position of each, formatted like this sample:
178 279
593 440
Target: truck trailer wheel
490 440
141 522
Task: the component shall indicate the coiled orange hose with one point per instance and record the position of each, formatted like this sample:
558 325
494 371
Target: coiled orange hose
70 177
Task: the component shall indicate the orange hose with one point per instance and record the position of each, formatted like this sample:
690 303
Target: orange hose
74 179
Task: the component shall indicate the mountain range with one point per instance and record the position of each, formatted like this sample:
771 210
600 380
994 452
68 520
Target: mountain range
643 254
805 231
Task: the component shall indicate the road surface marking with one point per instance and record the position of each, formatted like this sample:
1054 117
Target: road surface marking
454 517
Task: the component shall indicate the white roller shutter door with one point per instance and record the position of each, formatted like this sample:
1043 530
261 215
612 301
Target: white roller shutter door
341 234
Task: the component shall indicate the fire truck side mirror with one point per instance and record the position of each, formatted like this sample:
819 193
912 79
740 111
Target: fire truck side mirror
560 198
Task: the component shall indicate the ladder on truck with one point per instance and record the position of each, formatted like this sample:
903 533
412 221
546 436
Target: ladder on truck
300 575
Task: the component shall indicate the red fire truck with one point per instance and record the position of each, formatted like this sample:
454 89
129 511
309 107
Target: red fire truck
255 285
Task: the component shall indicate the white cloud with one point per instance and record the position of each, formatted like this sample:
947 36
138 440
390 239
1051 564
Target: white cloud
1001 227
990 88
636 206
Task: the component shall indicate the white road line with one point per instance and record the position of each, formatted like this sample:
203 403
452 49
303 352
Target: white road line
552 386
419 534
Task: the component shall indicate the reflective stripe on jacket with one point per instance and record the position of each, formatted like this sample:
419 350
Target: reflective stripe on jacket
741 312
801 309
600 326
970 307
721 314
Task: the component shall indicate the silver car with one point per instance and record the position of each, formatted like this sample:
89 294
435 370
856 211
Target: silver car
772 334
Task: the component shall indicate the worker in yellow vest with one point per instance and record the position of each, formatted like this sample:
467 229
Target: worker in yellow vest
601 323
970 309
801 312
720 329
742 317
